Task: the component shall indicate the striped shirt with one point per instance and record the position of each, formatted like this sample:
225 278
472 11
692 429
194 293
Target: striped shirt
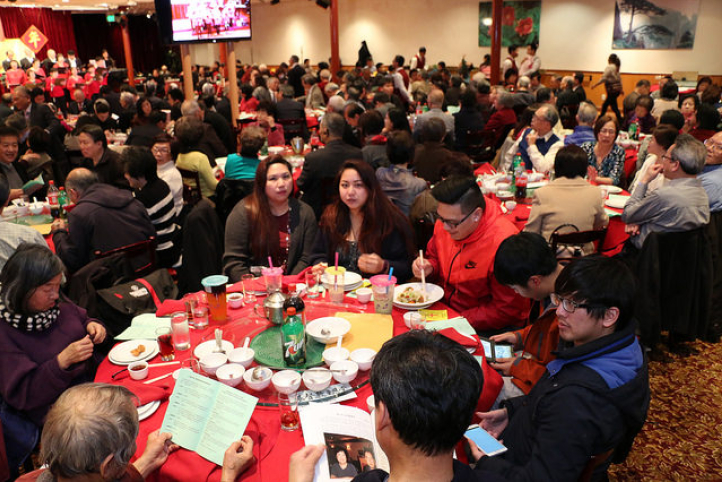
158 201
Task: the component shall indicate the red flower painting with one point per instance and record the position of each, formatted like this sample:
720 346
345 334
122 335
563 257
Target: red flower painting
508 16
524 27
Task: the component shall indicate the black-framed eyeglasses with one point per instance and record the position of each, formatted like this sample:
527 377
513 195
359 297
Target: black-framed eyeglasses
570 306
454 224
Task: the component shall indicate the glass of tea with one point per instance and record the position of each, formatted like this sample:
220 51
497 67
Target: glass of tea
164 336
288 405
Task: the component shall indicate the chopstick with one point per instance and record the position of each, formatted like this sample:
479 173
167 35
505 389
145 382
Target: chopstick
423 272
158 378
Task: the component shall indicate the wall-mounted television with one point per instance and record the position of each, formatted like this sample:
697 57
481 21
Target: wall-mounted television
204 20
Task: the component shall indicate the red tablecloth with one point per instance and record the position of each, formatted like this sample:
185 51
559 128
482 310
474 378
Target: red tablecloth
273 447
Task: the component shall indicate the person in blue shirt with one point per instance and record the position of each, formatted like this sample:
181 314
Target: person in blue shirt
243 165
584 131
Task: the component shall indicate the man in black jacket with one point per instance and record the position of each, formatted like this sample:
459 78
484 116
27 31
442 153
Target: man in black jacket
321 166
104 218
595 395
443 399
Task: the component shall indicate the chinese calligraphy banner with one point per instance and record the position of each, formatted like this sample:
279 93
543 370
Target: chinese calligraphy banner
34 39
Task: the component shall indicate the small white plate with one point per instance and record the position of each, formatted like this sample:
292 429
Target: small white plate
207 347
617 201
145 411
433 294
350 279
121 353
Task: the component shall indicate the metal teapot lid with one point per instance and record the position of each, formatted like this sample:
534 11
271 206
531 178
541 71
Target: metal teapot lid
275 300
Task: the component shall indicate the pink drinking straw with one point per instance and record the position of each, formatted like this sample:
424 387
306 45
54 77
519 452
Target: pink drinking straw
270 262
336 262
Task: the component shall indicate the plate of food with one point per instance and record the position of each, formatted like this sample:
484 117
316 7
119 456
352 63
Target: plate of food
132 351
411 296
350 280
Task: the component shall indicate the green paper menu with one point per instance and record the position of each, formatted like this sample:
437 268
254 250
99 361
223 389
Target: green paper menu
206 416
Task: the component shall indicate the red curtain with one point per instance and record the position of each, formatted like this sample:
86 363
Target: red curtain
57 26
94 33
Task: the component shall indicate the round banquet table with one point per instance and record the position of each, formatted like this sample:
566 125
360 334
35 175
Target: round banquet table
272 446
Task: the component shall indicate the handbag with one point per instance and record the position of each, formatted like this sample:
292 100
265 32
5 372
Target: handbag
117 305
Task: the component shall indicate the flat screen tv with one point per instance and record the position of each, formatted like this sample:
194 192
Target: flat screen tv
204 20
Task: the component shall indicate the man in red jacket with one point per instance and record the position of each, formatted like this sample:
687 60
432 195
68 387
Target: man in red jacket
460 257
527 264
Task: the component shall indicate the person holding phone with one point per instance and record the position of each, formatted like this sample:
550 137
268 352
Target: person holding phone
593 398
525 263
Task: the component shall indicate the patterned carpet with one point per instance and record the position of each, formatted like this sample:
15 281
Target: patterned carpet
682 439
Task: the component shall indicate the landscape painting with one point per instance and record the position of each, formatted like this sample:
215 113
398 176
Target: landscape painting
655 24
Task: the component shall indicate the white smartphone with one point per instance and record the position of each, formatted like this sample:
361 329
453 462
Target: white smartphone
486 443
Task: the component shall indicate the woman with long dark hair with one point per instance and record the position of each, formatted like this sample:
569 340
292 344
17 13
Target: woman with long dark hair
613 85
364 227
269 222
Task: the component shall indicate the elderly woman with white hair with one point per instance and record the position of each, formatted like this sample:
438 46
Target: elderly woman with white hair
90 435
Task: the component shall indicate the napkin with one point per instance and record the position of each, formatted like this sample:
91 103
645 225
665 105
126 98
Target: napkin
464 340
148 393
170 306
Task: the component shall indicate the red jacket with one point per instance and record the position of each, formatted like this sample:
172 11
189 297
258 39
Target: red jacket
465 269
538 341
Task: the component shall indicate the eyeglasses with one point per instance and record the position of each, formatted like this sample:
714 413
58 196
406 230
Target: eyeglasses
161 150
608 131
666 157
454 224
570 306
713 145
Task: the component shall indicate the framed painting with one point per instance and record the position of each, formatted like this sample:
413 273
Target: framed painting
519 23
655 24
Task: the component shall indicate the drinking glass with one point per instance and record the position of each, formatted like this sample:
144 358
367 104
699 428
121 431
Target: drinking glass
193 365
249 297
383 289
164 336
313 285
200 317
181 331
288 406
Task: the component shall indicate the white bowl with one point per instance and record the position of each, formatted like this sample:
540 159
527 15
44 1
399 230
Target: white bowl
364 295
363 357
261 384
36 208
230 374
276 150
286 381
408 317
510 205
138 370
210 363
341 376
317 379
505 194
332 355
242 356
336 327
235 300
371 402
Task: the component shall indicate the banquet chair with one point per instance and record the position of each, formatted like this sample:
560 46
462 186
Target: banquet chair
140 255
228 193
480 145
714 235
674 273
191 186
577 238
292 128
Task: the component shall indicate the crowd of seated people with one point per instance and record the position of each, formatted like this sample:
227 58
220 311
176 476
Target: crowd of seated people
389 139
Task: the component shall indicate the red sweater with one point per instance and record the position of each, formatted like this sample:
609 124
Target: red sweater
465 269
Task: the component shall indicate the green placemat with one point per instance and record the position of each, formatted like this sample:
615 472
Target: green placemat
267 346
34 220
